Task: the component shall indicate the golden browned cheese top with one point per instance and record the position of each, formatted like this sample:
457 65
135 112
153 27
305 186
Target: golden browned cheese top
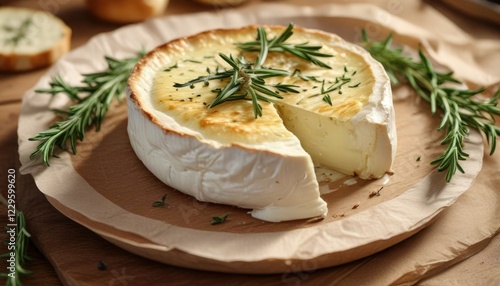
192 57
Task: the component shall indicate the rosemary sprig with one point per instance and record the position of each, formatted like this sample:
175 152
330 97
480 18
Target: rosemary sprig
91 103
245 79
460 109
248 79
304 50
20 250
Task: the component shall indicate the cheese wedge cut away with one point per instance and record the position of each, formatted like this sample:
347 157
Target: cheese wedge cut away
225 155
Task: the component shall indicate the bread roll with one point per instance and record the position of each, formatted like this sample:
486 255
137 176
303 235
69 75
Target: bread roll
126 11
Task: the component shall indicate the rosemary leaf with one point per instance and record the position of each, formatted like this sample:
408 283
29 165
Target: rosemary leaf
160 203
20 251
219 219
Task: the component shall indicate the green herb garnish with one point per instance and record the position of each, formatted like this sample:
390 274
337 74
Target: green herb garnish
327 99
20 250
92 101
460 109
304 51
193 61
335 86
247 79
161 203
219 219
170 68
19 33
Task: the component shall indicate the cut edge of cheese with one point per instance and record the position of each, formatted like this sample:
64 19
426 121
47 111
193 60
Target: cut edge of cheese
366 159
277 181
54 34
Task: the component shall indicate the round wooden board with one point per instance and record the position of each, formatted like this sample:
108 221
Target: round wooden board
107 189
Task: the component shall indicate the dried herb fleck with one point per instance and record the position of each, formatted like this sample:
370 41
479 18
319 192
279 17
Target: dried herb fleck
162 202
219 219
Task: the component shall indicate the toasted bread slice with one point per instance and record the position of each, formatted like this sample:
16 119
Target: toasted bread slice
31 39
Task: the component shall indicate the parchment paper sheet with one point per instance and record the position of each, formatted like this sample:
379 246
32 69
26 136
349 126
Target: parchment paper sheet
453 237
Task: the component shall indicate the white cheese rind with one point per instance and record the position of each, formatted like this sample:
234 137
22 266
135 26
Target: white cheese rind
277 187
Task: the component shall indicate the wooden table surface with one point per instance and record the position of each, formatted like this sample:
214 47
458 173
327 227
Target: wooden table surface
13 86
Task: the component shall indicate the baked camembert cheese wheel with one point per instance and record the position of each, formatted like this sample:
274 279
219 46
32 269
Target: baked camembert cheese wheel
258 146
